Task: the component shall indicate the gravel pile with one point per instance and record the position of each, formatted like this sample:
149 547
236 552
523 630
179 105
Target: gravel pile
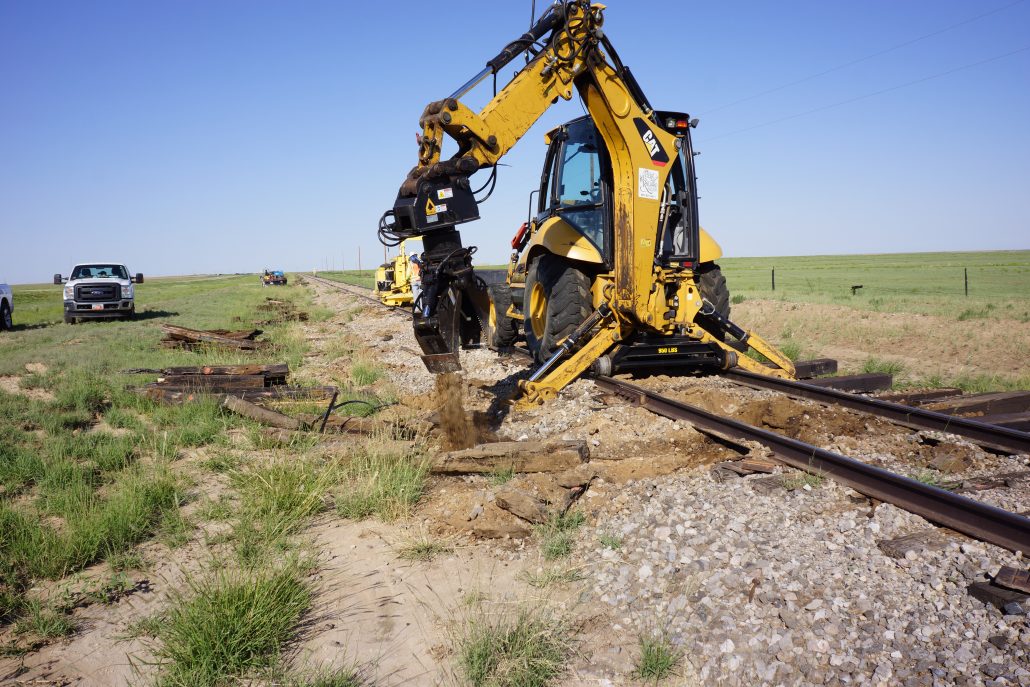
791 588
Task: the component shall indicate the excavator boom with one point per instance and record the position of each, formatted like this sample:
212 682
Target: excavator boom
569 54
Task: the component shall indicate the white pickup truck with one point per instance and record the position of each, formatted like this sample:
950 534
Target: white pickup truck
99 290
6 306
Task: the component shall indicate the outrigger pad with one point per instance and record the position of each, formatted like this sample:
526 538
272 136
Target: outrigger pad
442 362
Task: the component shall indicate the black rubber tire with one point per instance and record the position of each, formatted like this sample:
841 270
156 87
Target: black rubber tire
502 330
5 316
712 285
131 315
68 319
566 291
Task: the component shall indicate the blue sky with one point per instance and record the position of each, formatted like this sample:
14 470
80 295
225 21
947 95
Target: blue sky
198 136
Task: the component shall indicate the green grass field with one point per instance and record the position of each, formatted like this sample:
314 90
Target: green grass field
72 496
928 283
363 278
42 303
96 480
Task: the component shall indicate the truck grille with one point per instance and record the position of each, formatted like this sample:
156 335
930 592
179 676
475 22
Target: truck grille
97 292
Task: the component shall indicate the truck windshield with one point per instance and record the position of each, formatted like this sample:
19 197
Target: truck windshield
99 272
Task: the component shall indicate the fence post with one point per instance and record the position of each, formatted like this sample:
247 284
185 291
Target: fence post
965 273
774 279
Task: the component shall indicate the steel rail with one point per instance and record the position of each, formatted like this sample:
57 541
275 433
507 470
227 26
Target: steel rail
356 291
343 286
979 520
981 432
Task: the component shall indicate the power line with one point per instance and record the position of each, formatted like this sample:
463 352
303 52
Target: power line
868 95
861 59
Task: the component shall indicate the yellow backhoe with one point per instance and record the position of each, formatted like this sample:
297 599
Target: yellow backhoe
614 271
394 278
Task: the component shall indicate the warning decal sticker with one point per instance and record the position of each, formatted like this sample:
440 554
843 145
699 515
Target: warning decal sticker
647 183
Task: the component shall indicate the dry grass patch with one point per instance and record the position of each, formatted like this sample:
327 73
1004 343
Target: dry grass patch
424 549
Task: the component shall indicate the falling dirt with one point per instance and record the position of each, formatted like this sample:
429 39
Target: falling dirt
457 425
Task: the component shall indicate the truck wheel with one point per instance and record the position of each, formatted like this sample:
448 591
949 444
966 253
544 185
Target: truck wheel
131 315
501 332
712 285
557 301
5 316
68 319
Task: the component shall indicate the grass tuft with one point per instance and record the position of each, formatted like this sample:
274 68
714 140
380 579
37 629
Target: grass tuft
423 549
553 576
501 475
791 349
127 560
334 677
525 648
658 658
382 484
877 365
230 625
44 621
799 479
137 504
976 313
928 477
610 540
364 373
557 535
274 500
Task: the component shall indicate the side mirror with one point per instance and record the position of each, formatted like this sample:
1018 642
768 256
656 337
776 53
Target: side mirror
58 280
139 278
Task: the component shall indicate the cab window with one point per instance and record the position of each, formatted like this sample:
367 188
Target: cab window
580 192
676 223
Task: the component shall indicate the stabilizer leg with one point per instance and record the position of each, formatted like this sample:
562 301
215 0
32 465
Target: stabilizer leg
784 367
559 370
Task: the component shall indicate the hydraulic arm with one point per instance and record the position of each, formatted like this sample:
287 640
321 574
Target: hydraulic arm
569 53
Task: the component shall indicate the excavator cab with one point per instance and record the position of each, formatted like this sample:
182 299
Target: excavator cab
565 254
576 184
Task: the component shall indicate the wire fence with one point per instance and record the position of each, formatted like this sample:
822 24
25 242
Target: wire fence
1007 282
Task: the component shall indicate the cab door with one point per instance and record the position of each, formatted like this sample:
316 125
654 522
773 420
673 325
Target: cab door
576 187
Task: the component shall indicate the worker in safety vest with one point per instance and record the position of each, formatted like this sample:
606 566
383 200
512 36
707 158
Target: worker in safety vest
416 277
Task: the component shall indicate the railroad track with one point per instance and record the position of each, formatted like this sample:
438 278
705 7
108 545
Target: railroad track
358 291
940 506
992 436
973 518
